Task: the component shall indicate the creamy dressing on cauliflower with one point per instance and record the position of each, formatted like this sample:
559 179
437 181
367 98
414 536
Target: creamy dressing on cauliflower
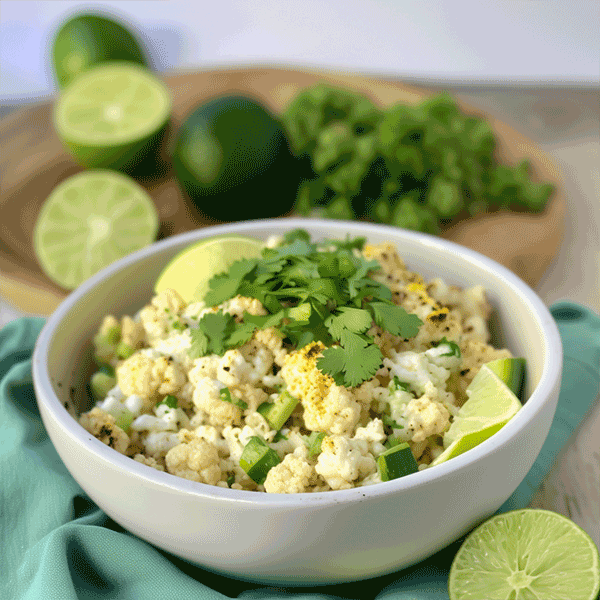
193 417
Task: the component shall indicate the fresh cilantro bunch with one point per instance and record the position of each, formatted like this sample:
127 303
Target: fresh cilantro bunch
418 167
313 292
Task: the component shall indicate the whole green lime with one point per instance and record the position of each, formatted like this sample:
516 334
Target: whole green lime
233 160
87 40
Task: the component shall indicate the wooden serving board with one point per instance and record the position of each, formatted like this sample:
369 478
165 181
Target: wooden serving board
33 162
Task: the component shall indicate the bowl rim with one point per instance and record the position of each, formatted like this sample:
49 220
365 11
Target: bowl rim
548 383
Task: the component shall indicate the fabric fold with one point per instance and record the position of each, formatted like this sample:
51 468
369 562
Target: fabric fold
57 544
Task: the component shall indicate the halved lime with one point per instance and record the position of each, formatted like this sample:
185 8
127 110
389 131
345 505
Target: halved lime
87 40
528 554
190 271
90 220
490 406
113 115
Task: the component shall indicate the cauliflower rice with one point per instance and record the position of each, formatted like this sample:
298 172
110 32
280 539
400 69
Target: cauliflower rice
202 437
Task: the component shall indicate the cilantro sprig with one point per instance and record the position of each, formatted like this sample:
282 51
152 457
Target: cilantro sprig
313 292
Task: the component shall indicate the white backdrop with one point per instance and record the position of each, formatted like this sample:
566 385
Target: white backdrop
532 41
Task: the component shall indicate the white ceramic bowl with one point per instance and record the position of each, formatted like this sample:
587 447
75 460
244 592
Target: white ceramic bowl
300 539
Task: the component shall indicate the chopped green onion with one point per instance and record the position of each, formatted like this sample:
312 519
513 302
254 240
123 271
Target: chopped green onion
257 459
124 350
170 401
392 441
399 385
124 420
278 412
396 462
314 441
110 337
101 384
387 420
225 395
279 436
105 368
230 480
454 348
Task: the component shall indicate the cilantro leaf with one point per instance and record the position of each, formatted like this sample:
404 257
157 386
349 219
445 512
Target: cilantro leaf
241 335
357 320
314 292
199 345
355 361
225 285
333 362
395 320
225 395
212 334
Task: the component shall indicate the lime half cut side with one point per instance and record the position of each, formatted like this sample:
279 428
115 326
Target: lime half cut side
90 220
528 554
191 270
111 114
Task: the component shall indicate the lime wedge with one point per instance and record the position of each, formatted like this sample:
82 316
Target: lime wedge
511 371
190 271
490 406
113 115
526 554
90 220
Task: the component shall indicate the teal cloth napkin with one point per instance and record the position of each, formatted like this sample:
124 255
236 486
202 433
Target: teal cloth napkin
56 544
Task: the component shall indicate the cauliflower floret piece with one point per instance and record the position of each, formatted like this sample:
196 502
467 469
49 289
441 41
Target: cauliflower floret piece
425 416
238 305
470 301
291 476
194 459
164 419
442 355
237 439
132 332
176 346
147 377
343 461
274 342
106 340
418 368
102 426
159 316
158 443
371 396
219 412
327 406
248 364
149 461
205 366
374 435
436 326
